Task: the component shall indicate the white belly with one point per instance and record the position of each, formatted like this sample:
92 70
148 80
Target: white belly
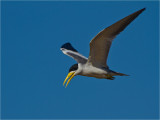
91 71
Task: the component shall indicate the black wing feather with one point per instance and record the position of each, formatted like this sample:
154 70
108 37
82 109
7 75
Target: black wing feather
68 46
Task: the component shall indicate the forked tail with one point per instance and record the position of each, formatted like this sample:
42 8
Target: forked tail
120 74
110 77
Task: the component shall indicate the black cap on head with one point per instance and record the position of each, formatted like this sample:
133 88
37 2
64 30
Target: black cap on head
73 67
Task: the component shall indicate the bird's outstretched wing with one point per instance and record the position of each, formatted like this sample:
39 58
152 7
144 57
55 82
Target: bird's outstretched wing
70 51
100 44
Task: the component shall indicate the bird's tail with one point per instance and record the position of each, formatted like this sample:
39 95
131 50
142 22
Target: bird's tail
113 73
120 74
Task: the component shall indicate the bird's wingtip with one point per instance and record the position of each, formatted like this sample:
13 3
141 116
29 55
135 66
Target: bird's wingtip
68 46
143 9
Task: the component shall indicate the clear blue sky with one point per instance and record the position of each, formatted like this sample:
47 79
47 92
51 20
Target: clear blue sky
34 68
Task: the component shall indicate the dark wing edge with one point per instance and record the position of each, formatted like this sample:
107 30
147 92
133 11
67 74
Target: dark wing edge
68 46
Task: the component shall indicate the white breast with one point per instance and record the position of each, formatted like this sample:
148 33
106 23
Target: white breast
91 71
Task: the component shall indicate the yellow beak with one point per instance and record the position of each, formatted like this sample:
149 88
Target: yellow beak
70 76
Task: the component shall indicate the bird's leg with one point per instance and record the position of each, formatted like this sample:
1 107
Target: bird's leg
110 77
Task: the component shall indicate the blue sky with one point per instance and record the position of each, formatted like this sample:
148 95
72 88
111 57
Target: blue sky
34 68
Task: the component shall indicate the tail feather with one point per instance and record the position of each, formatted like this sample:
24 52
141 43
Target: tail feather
113 73
120 74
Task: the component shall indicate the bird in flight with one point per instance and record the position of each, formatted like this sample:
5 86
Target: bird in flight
95 65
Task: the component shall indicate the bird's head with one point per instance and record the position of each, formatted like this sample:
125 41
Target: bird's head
71 73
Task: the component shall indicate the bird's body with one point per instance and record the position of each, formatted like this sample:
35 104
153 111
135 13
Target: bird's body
95 65
97 72
91 71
